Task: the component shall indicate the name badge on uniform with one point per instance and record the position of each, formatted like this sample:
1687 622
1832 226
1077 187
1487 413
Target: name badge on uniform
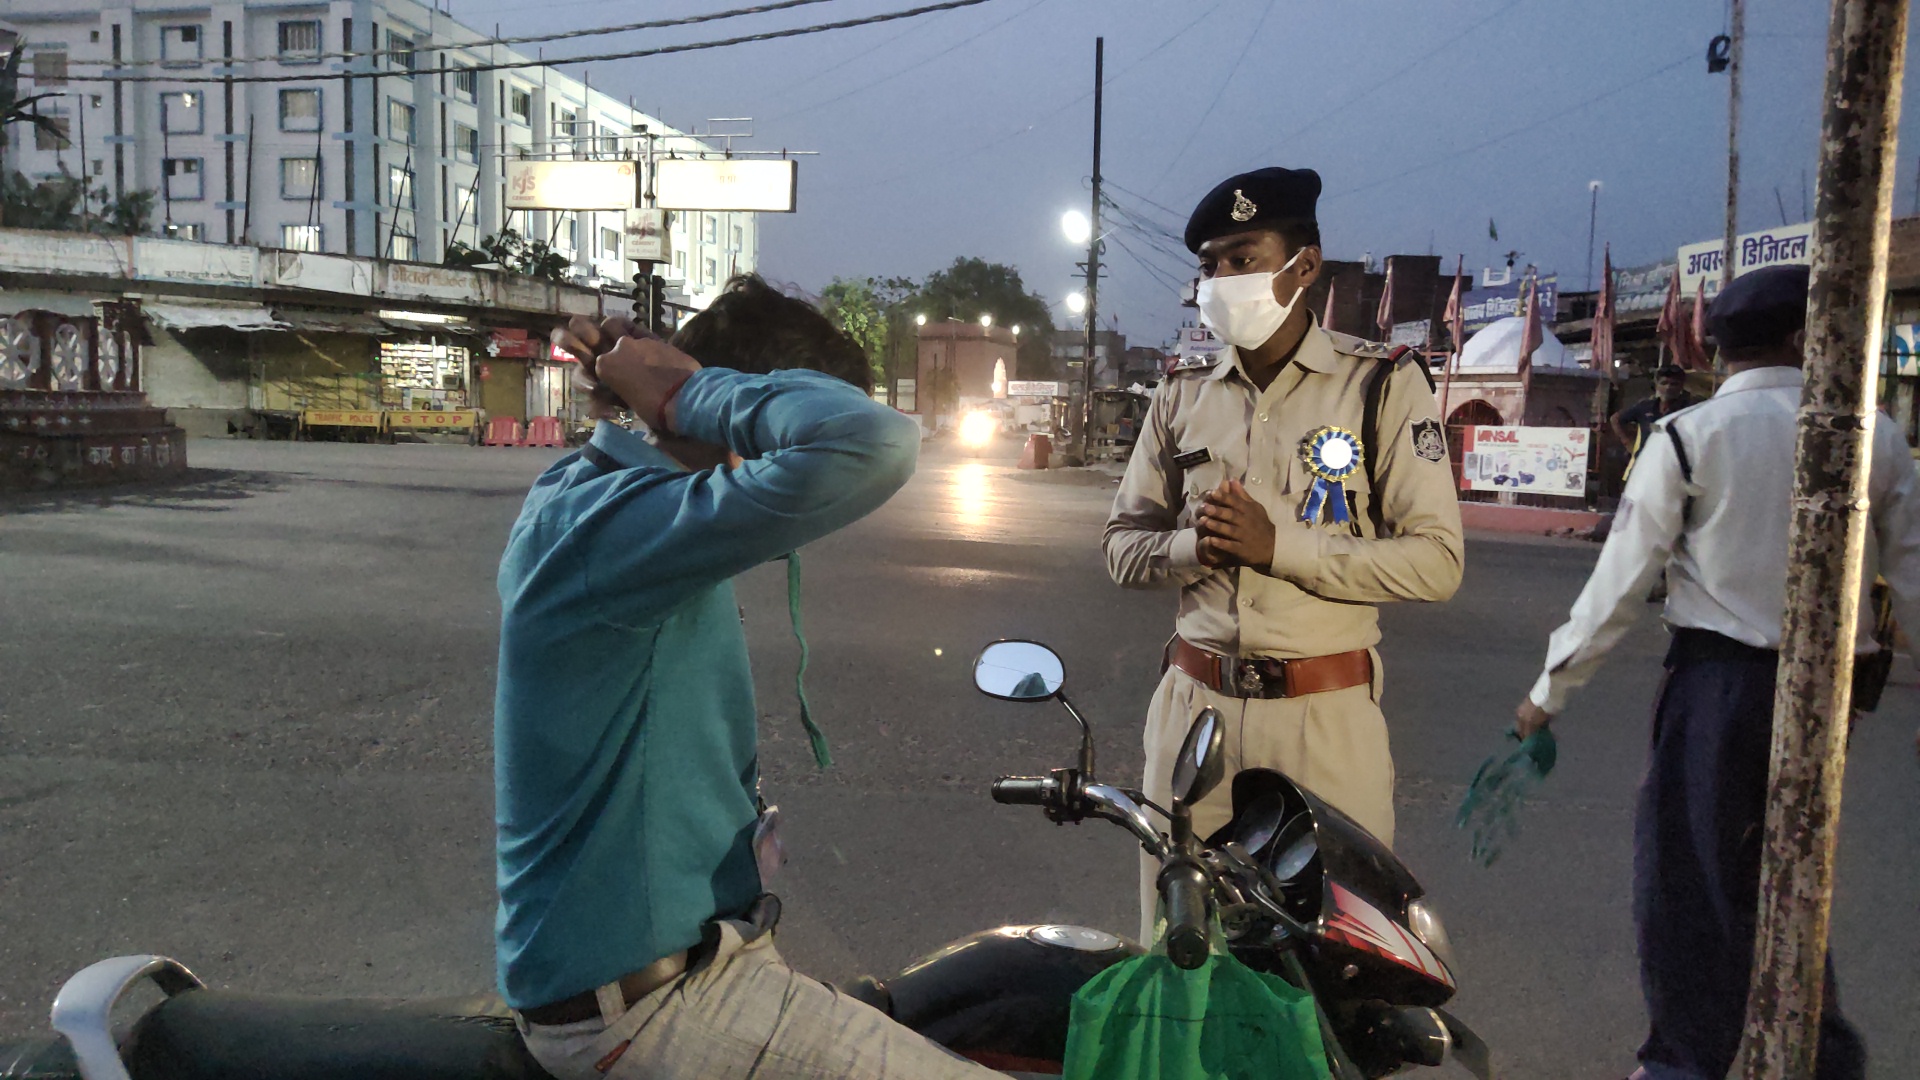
1193 458
1331 455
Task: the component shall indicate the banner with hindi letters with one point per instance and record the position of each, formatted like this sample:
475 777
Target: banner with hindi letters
1784 245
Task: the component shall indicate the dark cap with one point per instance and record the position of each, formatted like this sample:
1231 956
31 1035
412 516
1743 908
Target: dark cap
1671 371
1761 308
1256 200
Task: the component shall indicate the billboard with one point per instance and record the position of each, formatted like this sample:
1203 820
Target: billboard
726 184
1784 245
647 236
1482 307
571 185
1542 460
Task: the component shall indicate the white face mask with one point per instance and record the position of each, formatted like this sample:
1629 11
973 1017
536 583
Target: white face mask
1242 310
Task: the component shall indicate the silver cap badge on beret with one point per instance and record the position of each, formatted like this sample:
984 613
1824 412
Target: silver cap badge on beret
1243 208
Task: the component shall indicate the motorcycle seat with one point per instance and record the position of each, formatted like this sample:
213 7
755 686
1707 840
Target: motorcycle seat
221 1035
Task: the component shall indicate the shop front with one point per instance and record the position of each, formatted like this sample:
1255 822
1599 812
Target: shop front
525 378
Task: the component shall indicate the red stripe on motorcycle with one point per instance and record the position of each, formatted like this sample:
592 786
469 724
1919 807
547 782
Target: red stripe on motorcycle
999 1062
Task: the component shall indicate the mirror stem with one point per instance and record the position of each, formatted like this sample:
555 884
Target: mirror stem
1086 739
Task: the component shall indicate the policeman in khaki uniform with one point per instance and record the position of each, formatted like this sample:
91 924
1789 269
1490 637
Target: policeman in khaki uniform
1286 486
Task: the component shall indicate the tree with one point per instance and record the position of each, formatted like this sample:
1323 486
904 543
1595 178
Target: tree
875 313
973 287
508 250
15 109
56 204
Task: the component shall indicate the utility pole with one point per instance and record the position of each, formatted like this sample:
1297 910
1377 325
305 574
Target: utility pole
1737 31
1853 211
1093 263
1593 219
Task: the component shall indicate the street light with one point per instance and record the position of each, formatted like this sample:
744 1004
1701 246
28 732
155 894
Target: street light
1076 302
1077 226
1016 329
920 319
986 319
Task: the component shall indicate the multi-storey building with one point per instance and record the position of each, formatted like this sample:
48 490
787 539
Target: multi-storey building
378 127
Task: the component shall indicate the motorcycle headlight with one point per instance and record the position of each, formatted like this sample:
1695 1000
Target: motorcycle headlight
1426 925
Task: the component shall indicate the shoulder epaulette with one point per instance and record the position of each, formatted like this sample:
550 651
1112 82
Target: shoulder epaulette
1348 345
1195 364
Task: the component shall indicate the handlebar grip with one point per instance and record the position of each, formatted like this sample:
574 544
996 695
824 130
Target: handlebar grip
1024 790
1184 887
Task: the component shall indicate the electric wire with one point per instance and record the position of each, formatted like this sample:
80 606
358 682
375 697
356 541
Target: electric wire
529 39
1193 129
512 65
914 66
1426 164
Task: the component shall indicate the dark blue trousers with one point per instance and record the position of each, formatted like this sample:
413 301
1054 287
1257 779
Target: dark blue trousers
1696 863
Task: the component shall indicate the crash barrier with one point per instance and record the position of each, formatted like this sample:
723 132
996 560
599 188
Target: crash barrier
1038 452
545 431
503 431
386 422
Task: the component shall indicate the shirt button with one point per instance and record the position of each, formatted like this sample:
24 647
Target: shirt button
1263 417
1246 601
1256 480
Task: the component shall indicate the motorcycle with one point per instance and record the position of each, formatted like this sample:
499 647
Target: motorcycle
1297 889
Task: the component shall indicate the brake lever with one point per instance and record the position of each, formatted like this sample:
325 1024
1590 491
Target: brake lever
1273 887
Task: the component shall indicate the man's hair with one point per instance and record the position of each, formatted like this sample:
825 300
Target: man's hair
753 327
1298 233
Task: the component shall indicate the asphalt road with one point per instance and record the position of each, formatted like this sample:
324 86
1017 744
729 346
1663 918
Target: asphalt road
245 721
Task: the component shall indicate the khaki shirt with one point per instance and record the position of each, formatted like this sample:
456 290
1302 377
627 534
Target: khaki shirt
1317 598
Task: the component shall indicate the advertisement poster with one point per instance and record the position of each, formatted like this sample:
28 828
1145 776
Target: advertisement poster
1541 460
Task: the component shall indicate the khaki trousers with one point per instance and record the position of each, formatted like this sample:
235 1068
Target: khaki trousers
1333 744
742 1013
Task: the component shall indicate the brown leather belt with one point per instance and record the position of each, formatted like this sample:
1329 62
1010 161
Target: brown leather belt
586 1004
1271 677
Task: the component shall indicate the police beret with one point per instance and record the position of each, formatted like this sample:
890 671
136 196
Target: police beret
1761 308
1258 199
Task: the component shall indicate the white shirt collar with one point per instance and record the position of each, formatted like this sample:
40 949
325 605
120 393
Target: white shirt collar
1763 378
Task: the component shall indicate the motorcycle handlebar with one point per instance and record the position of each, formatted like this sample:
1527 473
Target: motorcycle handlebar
1184 886
1026 790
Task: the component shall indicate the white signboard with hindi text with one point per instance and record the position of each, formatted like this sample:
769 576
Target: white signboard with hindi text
647 237
1541 460
571 185
1785 245
1018 388
763 184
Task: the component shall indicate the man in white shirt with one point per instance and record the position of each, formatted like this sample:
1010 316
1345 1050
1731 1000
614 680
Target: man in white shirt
1709 501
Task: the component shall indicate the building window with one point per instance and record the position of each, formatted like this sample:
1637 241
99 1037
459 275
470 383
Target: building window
524 153
739 238
570 231
680 264
300 41
401 245
300 178
466 143
712 276
183 113
711 229
184 179
57 139
399 121
399 187
610 145
609 243
522 106
183 231
300 237
180 45
400 53
466 83
300 110
565 127
463 206
50 68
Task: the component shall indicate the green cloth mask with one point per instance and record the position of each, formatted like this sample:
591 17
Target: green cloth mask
1493 800
821 755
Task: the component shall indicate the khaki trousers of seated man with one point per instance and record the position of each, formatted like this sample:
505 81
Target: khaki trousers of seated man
1334 744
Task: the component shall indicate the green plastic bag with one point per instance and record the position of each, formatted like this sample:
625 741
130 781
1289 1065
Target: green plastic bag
1145 1019
1494 797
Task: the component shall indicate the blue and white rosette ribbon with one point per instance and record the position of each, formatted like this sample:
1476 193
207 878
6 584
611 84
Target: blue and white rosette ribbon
1331 454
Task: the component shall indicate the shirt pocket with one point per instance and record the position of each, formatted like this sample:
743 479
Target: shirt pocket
1195 482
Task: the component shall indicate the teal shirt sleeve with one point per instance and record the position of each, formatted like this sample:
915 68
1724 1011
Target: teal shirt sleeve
820 456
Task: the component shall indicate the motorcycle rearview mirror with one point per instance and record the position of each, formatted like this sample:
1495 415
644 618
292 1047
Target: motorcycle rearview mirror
1019 671
1201 766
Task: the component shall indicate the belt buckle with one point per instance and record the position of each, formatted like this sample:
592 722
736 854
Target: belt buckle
1249 677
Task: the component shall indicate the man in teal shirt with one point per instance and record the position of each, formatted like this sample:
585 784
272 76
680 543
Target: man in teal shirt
632 940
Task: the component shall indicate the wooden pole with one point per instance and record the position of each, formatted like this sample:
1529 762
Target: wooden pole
1737 31
1853 211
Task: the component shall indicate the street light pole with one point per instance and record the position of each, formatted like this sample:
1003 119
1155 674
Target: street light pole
1593 218
1093 262
1853 212
1737 31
